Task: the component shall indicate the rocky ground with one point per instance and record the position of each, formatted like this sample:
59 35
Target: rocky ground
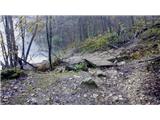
127 82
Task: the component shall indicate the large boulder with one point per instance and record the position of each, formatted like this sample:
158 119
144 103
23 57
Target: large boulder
43 66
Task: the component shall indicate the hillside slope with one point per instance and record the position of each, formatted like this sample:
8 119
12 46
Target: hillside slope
126 75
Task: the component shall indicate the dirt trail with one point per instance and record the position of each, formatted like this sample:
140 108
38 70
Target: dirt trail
122 84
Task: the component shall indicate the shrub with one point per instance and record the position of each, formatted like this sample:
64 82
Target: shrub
81 66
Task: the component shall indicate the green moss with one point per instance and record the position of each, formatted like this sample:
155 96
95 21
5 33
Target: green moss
97 43
150 34
146 50
11 74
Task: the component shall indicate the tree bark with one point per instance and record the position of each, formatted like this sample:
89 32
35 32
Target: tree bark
4 52
31 41
14 48
49 39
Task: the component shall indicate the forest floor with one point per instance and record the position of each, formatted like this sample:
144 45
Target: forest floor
129 82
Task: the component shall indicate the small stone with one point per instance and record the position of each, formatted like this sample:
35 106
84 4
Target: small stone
57 101
115 98
38 89
5 97
100 73
91 71
121 73
120 97
74 86
70 78
4 100
85 95
110 94
87 79
32 94
76 76
95 95
33 100
15 87
78 96
47 99
112 72
122 63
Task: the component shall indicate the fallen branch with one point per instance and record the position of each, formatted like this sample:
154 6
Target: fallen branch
26 63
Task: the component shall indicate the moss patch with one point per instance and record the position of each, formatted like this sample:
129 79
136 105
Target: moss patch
11 74
97 43
143 49
151 34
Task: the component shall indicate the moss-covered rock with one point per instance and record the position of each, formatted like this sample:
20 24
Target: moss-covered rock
11 74
81 66
89 83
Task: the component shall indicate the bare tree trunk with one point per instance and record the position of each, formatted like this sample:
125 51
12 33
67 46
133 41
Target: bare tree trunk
31 41
132 20
8 39
14 48
103 23
22 30
4 52
49 39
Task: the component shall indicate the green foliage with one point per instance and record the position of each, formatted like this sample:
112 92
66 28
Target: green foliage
151 33
98 43
146 50
81 66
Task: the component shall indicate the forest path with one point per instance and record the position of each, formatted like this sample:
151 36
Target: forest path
122 84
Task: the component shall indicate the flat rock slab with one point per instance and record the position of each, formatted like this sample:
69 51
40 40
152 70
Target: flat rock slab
99 59
74 60
100 62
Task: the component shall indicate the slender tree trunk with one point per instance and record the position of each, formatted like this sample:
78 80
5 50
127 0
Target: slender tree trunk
22 30
31 41
49 39
4 52
103 23
132 20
